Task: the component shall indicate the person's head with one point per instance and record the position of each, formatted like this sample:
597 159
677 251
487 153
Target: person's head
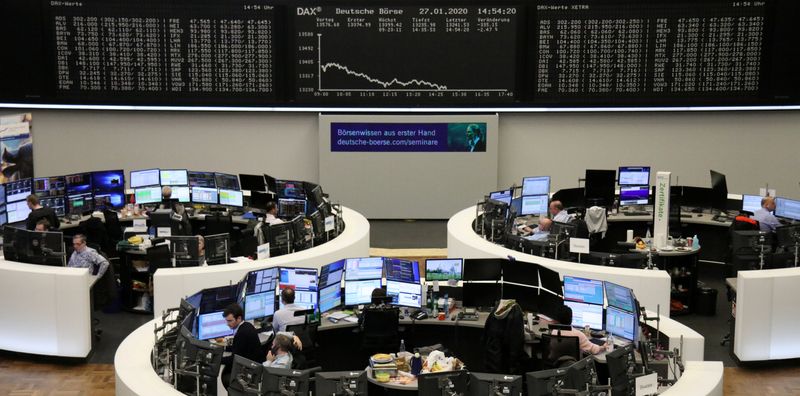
33 202
272 208
378 295
79 242
42 225
473 131
166 192
234 315
545 224
201 244
768 203
555 207
282 343
287 296
565 315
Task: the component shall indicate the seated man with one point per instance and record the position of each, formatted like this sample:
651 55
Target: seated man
272 211
565 318
558 213
86 257
42 225
766 220
541 232
285 316
280 356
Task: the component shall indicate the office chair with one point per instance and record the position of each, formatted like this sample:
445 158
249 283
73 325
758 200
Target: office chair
379 330
96 234
218 224
113 226
159 256
559 351
307 333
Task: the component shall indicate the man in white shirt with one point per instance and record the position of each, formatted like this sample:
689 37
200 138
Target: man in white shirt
285 316
272 210
766 220
558 213
541 232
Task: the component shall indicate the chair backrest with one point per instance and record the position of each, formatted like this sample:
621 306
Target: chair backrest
159 257
218 224
380 331
113 227
558 350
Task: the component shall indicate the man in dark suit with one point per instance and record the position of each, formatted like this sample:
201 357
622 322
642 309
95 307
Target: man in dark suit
245 341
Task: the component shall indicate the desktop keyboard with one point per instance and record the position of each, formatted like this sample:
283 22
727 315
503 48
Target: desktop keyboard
629 213
597 341
686 216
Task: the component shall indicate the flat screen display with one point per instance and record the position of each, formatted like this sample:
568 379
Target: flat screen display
147 195
181 193
110 180
259 305
751 203
583 314
261 281
330 297
404 294
144 178
536 185
401 270
78 183
634 195
621 324
305 299
231 198
787 208
174 177
619 296
443 269
359 292
298 278
212 325
227 181
204 195
202 179
502 196
534 205
634 176
331 274
583 290
52 186
363 268
18 190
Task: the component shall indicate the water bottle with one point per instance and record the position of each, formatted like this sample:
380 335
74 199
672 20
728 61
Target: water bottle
416 364
610 342
695 242
446 308
402 345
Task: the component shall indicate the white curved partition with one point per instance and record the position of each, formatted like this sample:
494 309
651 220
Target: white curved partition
172 284
699 378
652 288
691 343
45 310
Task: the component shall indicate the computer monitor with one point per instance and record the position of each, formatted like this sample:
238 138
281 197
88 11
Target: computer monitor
79 183
17 211
259 200
272 184
259 305
586 314
80 203
363 268
751 203
212 325
145 177
109 200
19 190
181 193
719 190
401 270
331 274
787 208
231 198
290 189
280 238
174 177
619 296
252 182
536 185
57 203
260 281
215 299
621 324
147 195
297 278
571 197
226 181
502 196
291 207
217 249
600 185
620 362
534 205
306 299
278 381
583 290
108 180
482 269
404 294
53 186
359 292
202 179
351 383
330 297
526 296
185 250
634 176
520 272
443 383
634 195
693 197
443 269
482 384
482 295
35 247
546 382
314 193
204 195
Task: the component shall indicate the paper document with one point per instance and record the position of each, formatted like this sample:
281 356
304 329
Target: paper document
338 315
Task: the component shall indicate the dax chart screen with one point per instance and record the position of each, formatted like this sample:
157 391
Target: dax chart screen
371 54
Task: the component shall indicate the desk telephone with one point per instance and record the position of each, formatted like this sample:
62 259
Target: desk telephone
468 314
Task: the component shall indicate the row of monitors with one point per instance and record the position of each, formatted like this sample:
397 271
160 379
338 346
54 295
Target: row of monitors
200 195
628 176
784 207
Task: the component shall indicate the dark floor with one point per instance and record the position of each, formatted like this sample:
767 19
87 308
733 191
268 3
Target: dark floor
408 234
115 327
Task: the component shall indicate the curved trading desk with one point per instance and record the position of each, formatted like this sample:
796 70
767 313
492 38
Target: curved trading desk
45 310
652 288
171 284
135 375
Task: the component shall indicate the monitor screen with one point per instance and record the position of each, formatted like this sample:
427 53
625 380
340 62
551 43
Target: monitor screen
110 180
536 185
144 178
109 199
181 193
787 208
147 195
259 305
174 177
78 183
261 281
583 314
599 186
751 203
290 189
53 186
298 278
18 190
79 203
291 207
202 179
620 323
634 195
330 297
502 196
358 292
693 197
583 290
252 182
57 203
483 269
634 176
231 198
534 205
204 195
17 211
227 181
305 299
619 296
443 269
363 268
212 325
401 270
404 294
719 190
331 274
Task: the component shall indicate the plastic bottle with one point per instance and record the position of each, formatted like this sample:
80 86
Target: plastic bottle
416 364
446 308
402 345
435 307
610 342
647 235
695 242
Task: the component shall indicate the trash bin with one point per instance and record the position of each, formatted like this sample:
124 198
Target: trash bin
706 303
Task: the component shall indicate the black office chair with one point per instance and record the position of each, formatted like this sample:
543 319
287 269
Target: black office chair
218 224
159 256
380 330
113 226
96 234
559 351
307 333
